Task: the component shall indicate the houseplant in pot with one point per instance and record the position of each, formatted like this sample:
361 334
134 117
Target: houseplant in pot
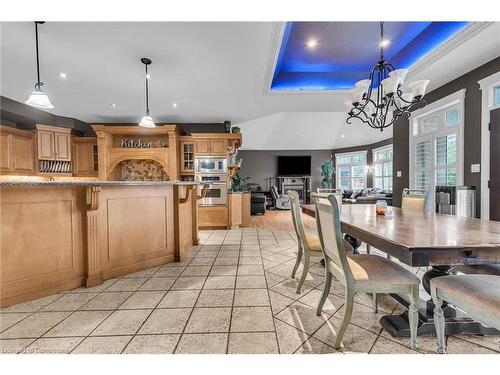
327 173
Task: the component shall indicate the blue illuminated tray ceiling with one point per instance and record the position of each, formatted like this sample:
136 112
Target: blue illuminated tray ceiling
347 51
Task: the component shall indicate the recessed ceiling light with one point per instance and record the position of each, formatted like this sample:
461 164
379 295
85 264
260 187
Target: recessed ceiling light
62 75
312 43
174 105
342 136
114 105
384 43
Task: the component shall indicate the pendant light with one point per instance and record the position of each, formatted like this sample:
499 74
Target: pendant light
38 98
147 120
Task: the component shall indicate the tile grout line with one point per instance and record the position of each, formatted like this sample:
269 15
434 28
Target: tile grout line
111 313
118 307
198 297
234 295
55 325
268 295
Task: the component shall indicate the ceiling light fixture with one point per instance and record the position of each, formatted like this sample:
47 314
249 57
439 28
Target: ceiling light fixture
384 43
114 105
62 75
174 105
38 98
147 120
388 102
312 43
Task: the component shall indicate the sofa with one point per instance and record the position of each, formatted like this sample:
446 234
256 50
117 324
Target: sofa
366 196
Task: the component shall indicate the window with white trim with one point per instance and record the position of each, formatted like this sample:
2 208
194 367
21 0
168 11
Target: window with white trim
382 167
496 96
351 170
436 145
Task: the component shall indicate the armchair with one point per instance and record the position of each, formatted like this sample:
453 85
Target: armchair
280 202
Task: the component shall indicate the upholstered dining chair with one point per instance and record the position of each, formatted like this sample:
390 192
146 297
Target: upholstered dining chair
308 244
359 273
411 200
414 199
477 295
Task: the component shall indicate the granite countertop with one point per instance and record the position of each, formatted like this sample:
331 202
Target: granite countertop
97 183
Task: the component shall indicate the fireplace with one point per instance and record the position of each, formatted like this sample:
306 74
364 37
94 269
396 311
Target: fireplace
299 184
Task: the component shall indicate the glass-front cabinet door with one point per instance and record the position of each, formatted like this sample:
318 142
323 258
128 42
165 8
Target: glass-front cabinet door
187 156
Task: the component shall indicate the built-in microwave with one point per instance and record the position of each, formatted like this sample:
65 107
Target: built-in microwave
210 164
217 188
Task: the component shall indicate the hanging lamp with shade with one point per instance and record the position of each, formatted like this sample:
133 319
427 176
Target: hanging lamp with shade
379 100
147 120
38 98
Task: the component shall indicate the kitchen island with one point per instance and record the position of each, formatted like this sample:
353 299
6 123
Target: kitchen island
60 235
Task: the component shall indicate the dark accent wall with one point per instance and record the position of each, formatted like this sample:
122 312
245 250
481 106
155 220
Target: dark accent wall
369 155
260 165
472 130
23 116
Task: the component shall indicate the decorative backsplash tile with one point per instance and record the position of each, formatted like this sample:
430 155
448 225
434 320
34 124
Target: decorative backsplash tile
133 170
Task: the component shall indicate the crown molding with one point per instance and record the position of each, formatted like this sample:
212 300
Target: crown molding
462 36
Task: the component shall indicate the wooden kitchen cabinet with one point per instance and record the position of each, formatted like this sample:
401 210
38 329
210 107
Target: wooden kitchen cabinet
210 147
54 143
4 152
63 146
212 216
202 147
218 147
17 151
85 160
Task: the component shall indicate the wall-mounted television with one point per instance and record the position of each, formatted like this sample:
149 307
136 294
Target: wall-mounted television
294 165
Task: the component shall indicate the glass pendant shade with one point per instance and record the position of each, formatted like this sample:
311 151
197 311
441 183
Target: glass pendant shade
390 85
147 122
418 88
356 95
401 73
363 84
39 99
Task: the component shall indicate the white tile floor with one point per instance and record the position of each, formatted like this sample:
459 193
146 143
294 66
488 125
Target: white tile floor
233 295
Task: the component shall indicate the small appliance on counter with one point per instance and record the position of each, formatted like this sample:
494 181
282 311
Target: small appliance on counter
456 200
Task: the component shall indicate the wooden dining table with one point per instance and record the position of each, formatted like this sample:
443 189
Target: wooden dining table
420 239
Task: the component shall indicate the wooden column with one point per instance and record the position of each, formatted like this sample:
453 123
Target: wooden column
94 276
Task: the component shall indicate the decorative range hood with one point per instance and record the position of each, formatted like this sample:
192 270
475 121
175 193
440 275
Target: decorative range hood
117 144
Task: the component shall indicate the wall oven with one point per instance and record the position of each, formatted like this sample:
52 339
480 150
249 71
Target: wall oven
217 188
210 164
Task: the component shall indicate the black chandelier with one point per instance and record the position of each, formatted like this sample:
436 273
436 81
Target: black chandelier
388 102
